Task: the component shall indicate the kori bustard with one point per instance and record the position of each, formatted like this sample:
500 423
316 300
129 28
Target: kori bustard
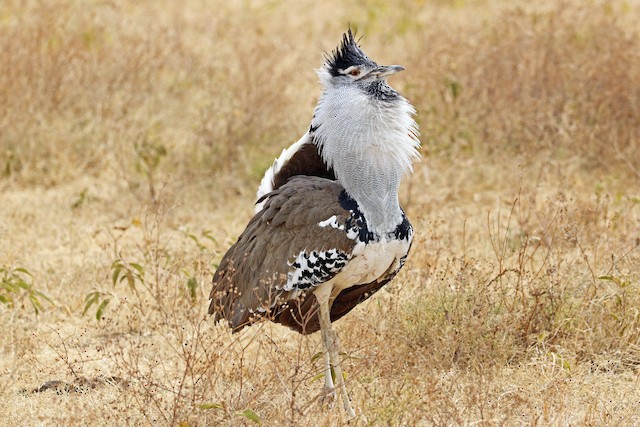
328 231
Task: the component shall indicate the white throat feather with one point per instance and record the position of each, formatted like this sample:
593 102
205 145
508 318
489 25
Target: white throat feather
370 144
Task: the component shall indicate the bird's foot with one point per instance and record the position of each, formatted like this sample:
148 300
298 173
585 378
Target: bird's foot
358 420
328 396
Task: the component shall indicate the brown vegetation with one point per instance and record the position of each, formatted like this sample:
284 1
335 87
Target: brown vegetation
133 136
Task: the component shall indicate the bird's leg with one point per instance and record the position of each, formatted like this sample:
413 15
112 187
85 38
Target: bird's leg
335 356
329 389
332 346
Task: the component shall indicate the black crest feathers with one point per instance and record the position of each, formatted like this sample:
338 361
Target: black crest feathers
347 53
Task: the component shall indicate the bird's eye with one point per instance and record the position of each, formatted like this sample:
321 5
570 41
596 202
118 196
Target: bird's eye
355 72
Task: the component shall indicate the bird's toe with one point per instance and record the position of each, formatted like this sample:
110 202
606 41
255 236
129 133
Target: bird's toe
328 397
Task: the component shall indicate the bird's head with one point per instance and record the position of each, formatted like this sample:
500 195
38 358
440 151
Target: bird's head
348 65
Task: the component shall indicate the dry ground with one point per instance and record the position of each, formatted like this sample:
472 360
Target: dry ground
133 135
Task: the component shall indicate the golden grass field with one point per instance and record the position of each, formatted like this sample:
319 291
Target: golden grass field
133 136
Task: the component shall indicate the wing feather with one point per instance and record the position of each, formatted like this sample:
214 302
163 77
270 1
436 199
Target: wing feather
263 270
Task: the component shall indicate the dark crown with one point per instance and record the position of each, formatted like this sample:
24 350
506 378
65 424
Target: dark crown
347 53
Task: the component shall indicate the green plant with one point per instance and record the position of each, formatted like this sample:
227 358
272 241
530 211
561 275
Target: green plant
16 285
192 288
122 271
96 297
149 154
131 272
200 241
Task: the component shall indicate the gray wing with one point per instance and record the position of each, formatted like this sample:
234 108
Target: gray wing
287 248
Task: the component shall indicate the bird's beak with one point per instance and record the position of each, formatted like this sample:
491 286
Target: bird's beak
384 71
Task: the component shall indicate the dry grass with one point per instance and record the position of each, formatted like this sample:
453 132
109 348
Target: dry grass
132 137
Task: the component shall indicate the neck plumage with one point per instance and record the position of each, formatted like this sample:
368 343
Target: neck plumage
369 144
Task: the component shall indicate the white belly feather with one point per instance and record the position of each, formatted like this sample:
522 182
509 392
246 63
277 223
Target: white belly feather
371 261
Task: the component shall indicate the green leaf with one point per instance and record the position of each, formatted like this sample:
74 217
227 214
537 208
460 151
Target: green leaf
618 281
91 299
91 296
130 280
250 415
207 235
101 308
12 286
22 284
192 285
138 267
210 406
317 377
196 241
454 87
35 303
116 273
43 295
316 356
24 270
